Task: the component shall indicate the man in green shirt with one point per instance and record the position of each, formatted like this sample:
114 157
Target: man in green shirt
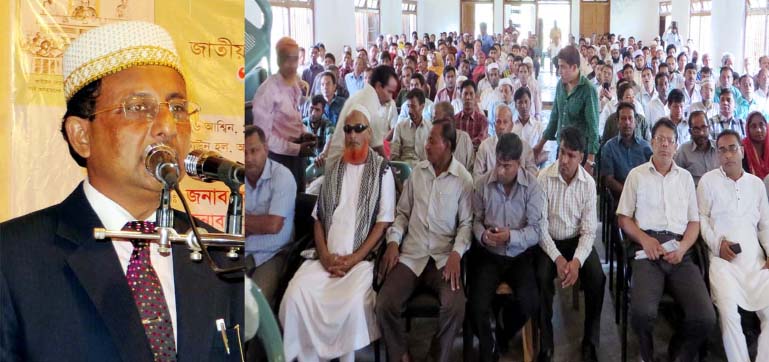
576 105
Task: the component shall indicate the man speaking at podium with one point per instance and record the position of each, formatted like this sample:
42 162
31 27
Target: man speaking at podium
65 296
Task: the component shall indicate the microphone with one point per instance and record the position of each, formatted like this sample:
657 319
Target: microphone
160 161
209 166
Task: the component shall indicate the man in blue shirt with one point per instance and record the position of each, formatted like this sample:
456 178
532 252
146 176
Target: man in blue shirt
270 197
623 152
486 40
354 80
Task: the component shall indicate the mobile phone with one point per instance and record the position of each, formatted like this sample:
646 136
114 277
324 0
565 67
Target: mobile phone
736 248
606 86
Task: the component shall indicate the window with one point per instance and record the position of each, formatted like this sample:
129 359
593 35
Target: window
666 8
699 25
292 18
757 30
366 22
523 14
409 16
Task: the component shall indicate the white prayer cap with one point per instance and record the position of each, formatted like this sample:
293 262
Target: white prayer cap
528 61
491 66
638 53
615 46
115 47
506 81
461 79
362 109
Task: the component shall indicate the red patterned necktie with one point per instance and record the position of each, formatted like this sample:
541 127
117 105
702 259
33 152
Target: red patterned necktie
149 297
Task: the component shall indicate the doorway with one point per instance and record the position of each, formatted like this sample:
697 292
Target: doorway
475 12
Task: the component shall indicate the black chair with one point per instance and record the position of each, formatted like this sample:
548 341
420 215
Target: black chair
424 303
625 275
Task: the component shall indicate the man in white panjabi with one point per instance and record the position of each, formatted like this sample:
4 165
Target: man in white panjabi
734 211
328 309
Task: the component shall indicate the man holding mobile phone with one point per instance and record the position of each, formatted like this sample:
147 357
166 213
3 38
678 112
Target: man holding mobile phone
734 220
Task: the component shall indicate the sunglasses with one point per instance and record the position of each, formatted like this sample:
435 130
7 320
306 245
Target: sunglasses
358 128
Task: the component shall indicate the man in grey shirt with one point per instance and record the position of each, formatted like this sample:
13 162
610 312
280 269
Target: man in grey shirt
431 232
508 204
699 155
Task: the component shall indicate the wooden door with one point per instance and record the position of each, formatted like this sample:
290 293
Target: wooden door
468 17
593 17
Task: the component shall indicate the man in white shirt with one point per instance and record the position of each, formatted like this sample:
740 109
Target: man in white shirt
706 103
676 114
487 87
568 232
657 106
647 89
658 205
417 81
486 160
691 89
675 77
506 92
762 86
734 218
431 232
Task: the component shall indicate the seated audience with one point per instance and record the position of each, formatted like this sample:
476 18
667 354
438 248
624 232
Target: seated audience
608 126
408 143
734 213
317 124
506 92
726 118
756 147
706 104
658 205
464 153
431 232
623 152
417 82
699 154
471 119
568 231
508 206
270 197
486 159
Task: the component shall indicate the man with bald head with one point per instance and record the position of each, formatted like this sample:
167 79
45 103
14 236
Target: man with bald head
464 153
486 159
333 294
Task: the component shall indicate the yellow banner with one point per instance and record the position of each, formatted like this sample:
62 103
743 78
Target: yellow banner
209 39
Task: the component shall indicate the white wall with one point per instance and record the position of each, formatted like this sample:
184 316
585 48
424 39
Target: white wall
499 16
328 29
634 17
574 23
435 16
680 14
390 14
727 31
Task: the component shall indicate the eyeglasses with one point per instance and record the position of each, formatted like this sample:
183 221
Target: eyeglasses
728 149
144 108
664 140
358 128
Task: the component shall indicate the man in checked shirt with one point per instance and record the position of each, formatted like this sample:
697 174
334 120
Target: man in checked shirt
568 231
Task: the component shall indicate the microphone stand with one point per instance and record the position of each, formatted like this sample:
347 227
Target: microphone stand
234 215
164 220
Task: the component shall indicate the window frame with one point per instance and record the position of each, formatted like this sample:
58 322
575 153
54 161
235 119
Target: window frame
760 11
408 12
369 9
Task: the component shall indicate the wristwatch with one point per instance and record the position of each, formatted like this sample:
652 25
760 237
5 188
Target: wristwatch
591 163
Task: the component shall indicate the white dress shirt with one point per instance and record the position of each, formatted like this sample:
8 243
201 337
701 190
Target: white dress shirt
659 203
114 217
570 210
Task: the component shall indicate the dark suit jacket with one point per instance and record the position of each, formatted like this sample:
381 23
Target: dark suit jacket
64 297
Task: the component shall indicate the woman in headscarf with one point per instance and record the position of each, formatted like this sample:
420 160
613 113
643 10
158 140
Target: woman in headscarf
756 159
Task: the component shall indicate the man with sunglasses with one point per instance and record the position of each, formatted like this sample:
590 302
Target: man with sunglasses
734 217
333 295
65 296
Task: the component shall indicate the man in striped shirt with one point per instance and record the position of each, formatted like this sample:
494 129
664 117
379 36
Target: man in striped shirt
568 231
